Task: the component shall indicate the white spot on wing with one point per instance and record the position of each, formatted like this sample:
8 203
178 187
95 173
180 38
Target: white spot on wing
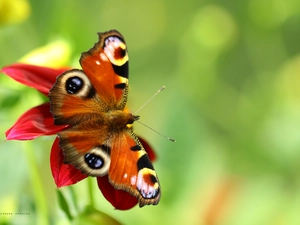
103 57
133 180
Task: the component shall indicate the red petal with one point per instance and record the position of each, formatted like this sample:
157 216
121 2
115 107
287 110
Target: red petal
63 174
34 123
120 199
40 78
148 148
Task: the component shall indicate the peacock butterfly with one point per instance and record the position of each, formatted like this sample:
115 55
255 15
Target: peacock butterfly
99 139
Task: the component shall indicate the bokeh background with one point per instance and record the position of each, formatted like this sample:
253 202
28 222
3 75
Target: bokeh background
232 71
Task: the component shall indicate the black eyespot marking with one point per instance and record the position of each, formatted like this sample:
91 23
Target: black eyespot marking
74 84
121 70
120 53
144 162
135 148
94 161
120 86
153 179
123 52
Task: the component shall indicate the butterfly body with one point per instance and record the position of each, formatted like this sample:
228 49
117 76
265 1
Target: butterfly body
99 139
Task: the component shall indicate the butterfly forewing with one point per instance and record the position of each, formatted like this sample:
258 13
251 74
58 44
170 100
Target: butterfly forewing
106 65
132 170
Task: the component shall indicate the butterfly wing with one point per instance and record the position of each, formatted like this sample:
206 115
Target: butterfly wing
132 170
106 65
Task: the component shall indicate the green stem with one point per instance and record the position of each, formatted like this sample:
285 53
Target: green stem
90 191
37 187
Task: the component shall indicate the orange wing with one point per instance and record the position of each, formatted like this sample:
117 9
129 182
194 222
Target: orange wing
106 65
132 170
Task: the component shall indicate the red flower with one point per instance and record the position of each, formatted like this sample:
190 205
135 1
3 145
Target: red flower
39 121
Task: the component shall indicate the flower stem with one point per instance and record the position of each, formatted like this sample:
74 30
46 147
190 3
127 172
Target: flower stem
37 187
90 191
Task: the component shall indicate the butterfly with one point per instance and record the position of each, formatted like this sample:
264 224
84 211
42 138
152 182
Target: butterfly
99 139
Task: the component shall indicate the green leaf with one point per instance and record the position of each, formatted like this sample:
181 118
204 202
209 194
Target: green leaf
64 204
73 197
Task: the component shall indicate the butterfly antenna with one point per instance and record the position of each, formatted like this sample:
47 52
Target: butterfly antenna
159 90
171 139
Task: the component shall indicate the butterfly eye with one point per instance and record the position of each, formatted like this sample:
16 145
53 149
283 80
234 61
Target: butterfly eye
73 85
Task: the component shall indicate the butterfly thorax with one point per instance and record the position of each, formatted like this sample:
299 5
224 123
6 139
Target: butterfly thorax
118 119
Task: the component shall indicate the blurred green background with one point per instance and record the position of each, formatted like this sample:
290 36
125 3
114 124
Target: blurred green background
232 71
